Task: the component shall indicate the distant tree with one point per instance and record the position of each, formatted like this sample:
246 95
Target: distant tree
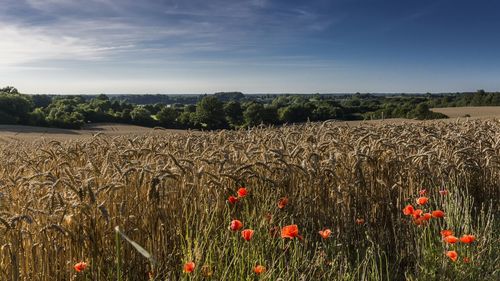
352 102
37 117
423 112
64 116
187 120
154 108
41 101
294 113
190 108
253 114
102 97
14 107
125 116
280 101
141 116
6 118
210 113
478 98
325 111
167 117
256 114
270 115
234 113
9 90
229 96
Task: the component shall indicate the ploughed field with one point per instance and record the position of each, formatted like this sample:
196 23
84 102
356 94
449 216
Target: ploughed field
319 201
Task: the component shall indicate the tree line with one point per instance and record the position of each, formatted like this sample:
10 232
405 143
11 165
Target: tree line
223 110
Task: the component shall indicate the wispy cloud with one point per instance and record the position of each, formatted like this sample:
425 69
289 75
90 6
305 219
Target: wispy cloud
107 29
22 45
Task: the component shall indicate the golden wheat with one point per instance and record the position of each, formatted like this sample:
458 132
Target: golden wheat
60 201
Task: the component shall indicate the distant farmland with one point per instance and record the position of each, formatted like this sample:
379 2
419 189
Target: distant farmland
14 132
474 112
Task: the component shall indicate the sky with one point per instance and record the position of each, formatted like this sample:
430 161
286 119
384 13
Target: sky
252 46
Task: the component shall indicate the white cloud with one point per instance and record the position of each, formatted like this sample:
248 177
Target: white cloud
91 40
79 5
27 44
127 29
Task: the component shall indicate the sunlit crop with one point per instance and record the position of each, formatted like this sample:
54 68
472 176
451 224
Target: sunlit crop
312 202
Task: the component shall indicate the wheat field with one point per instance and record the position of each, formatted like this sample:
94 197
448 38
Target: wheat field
60 202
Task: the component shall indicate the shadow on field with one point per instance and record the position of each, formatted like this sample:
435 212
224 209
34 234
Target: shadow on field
17 129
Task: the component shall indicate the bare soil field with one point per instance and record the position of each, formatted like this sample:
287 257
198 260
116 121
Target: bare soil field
29 133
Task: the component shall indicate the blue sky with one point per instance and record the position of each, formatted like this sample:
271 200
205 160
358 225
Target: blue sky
253 46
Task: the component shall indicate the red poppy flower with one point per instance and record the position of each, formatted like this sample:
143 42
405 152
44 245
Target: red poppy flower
427 216
438 214
290 231
360 221
259 269
446 233
232 199
452 255
422 200
467 239
420 221
81 266
247 234
282 202
189 267
242 192
422 192
417 213
450 239
325 233
466 260
408 210
235 225
443 192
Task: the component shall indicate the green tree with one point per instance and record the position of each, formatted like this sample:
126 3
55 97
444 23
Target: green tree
294 113
141 116
14 107
63 117
37 117
423 112
234 113
256 114
253 114
41 101
9 90
210 113
167 117
325 111
270 115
